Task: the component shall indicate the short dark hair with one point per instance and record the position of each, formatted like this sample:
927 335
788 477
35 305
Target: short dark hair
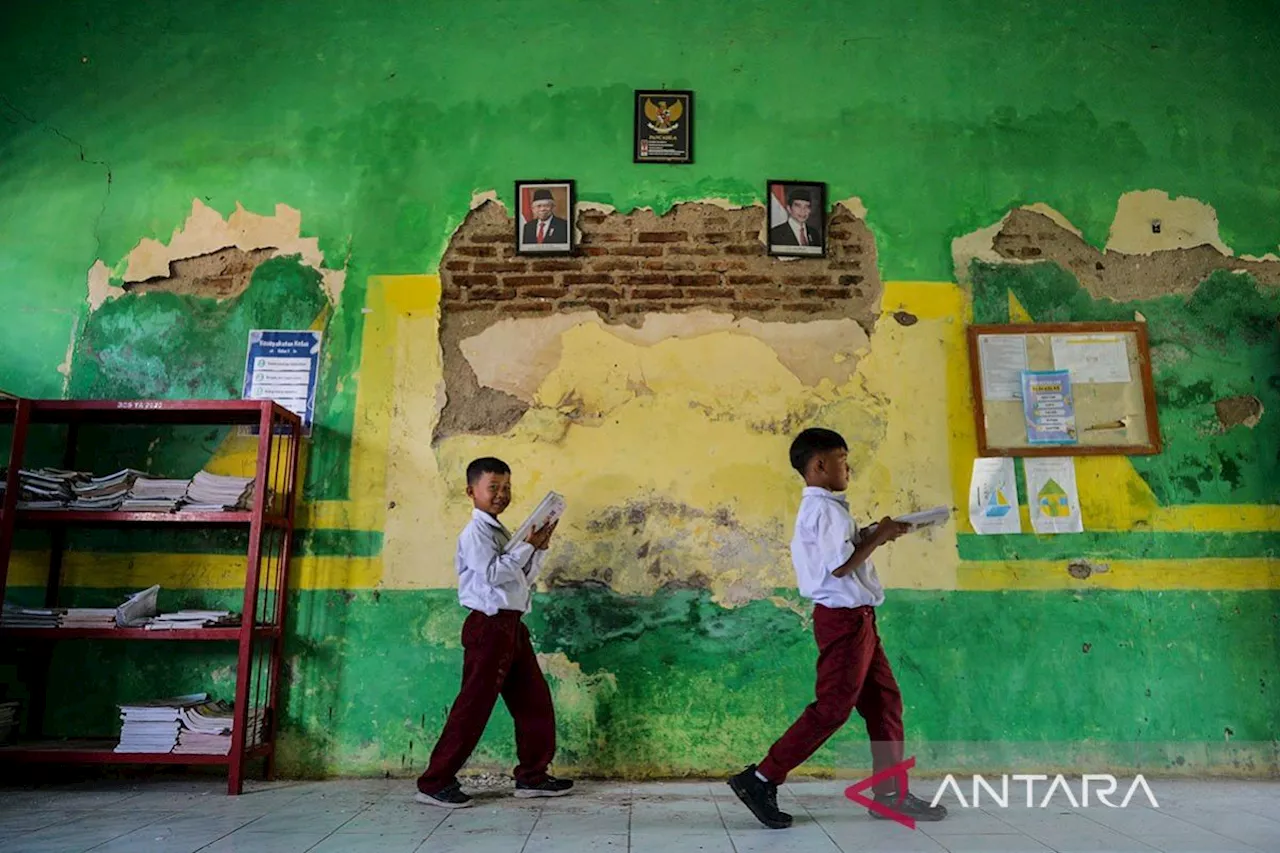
795 194
485 465
810 443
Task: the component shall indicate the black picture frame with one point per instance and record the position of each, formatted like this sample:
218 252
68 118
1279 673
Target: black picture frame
777 216
650 143
562 192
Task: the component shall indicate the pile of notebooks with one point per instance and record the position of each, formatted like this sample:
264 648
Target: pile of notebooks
206 729
88 617
214 493
189 619
46 488
14 616
8 720
105 493
152 494
190 725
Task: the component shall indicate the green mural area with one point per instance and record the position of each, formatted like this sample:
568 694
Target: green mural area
674 684
1220 342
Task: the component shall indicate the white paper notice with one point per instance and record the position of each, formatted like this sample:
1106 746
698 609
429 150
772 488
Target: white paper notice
1052 495
1003 358
993 497
1092 358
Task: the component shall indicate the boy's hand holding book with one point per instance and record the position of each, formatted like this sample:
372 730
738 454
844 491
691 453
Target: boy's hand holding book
540 538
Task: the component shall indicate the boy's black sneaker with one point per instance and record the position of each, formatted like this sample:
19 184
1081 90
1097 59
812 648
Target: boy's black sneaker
909 806
760 797
448 797
549 787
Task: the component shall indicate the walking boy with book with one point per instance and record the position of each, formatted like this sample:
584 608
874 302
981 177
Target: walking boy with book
495 578
832 559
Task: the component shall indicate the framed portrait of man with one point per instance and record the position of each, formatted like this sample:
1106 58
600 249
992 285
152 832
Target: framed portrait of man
797 218
544 217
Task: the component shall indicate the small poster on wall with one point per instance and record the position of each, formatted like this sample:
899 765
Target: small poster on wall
664 126
1049 407
284 366
993 497
1052 495
797 218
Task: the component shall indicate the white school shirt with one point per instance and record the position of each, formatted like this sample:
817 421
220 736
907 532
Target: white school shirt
823 542
489 580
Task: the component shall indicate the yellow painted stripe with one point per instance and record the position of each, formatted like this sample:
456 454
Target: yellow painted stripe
1152 575
188 571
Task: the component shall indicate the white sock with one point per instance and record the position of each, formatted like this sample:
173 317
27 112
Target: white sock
760 777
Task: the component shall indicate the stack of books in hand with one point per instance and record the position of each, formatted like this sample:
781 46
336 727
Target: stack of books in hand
215 493
88 617
206 729
105 493
151 494
152 727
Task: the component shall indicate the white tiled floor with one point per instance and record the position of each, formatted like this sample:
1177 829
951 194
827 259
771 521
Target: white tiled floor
674 817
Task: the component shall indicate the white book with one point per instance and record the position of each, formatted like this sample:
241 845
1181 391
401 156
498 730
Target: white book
914 520
549 510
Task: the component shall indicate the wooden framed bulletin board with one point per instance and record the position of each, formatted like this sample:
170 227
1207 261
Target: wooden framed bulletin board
1063 389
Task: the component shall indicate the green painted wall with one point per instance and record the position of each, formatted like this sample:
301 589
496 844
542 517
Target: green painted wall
379 122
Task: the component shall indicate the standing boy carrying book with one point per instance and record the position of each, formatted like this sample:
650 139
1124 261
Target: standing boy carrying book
834 570
498 658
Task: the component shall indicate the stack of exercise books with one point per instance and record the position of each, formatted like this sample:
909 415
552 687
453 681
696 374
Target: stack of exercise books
14 616
8 720
206 729
215 493
104 493
88 617
186 620
46 488
152 494
152 727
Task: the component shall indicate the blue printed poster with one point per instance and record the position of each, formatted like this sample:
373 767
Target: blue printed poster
1049 407
284 366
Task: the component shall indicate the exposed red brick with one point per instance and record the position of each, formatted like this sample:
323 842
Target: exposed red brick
457 266
761 292
724 265
636 251
845 265
587 278
823 293
578 304
475 280
528 307
840 234
700 303
592 217
545 292
556 265
607 264
658 293
717 237
527 280
751 279
701 280
646 278
807 279
476 251
598 293
662 237
640 306
745 249
744 305
491 238
496 294
850 280
668 264
708 292
692 250
595 251
605 237
500 266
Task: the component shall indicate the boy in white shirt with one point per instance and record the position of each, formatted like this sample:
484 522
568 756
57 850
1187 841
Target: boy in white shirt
834 570
498 658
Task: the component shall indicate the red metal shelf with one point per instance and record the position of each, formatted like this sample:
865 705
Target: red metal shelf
142 412
68 516
103 752
202 634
